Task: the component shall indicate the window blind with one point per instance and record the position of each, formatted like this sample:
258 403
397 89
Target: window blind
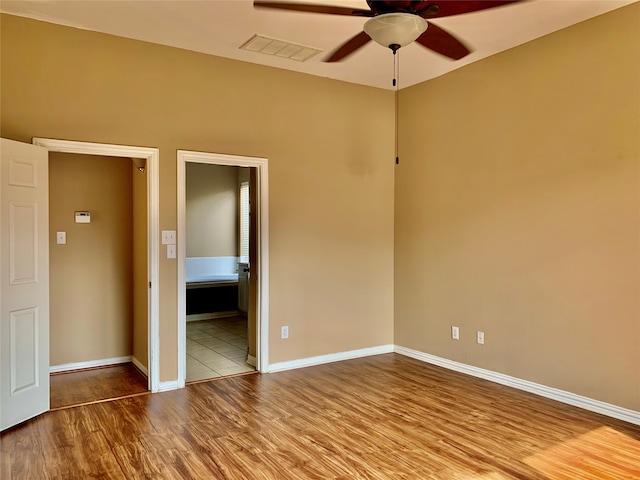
244 221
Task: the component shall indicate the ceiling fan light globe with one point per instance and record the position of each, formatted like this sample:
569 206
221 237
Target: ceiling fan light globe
395 28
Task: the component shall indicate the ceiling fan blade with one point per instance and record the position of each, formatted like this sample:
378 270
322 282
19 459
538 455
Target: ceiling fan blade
442 42
348 47
312 8
447 8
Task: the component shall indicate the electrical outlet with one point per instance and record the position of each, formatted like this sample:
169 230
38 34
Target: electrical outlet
455 333
480 338
284 332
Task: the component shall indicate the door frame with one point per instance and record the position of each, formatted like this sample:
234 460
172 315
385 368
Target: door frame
262 251
152 157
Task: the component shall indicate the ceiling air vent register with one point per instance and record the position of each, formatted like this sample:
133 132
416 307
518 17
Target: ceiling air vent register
279 48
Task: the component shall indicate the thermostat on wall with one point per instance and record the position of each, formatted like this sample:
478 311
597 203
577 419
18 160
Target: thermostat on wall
83 217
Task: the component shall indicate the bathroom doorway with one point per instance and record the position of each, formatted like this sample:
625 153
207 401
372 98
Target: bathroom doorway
217 237
222 262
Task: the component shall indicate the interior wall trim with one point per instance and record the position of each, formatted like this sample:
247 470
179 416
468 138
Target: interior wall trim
330 358
68 367
168 386
563 396
251 360
140 366
196 317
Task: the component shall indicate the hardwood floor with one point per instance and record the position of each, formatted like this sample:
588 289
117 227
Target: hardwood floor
76 388
382 417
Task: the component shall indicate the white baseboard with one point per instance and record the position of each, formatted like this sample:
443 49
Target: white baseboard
332 357
68 367
569 398
139 366
168 386
251 360
195 317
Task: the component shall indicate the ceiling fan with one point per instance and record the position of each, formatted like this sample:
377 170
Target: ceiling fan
396 23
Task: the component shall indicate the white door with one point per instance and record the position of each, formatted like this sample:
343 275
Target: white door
24 292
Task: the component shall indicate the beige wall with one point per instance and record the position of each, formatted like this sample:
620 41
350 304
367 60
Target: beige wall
517 212
211 210
329 145
90 276
140 267
516 206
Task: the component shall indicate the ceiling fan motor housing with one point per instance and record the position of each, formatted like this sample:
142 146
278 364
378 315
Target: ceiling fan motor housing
418 7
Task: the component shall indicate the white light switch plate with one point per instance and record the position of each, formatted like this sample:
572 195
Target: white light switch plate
168 237
171 251
61 238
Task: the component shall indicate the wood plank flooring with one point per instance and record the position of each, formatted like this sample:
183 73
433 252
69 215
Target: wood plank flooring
75 388
383 417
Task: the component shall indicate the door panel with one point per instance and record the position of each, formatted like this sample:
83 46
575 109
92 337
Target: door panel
23 252
24 292
24 349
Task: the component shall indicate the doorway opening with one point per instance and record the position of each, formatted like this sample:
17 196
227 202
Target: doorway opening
97 277
144 275
222 265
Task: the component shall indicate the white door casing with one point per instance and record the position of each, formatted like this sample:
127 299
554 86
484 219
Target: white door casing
152 158
24 290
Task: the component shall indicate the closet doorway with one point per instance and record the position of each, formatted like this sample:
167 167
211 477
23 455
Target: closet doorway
140 165
98 278
222 265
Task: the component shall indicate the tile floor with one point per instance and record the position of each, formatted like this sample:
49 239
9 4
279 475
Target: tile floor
216 348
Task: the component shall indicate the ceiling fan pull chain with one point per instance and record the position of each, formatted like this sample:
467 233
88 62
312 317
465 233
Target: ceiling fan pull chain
397 60
395 68
396 84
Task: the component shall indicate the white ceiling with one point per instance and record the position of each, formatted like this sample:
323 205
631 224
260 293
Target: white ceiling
220 27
